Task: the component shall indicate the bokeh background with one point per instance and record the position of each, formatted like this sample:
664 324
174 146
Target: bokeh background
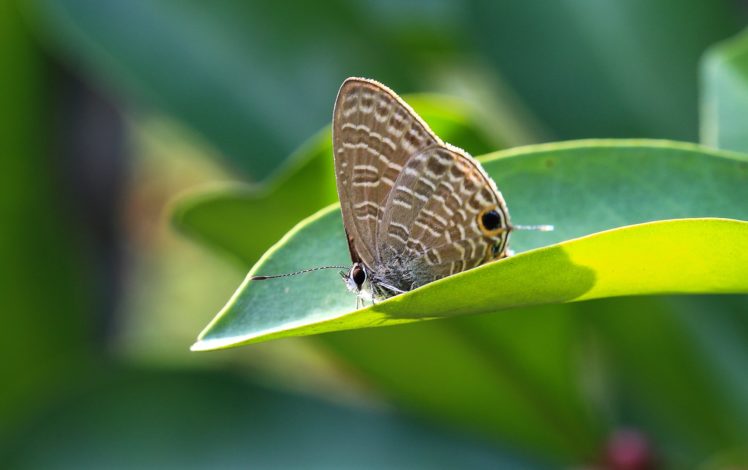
111 112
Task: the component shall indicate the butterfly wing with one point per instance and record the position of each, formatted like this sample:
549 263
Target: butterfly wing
374 134
435 221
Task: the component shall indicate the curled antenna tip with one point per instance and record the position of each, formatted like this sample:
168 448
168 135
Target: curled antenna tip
540 228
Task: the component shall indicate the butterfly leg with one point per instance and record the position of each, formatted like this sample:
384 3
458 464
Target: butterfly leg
392 288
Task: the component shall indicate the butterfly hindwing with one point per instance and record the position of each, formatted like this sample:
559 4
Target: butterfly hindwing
433 224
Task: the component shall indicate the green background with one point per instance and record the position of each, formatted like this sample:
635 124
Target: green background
152 151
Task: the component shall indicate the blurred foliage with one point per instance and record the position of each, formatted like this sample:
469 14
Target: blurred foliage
724 101
135 418
562 379
46 289
604 68
194 59
247 83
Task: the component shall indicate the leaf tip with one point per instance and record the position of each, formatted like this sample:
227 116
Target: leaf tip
208 345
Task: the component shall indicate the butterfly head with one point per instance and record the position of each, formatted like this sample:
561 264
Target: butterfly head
357 280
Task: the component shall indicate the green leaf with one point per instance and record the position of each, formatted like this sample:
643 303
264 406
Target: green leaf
226 218
724 101
582 188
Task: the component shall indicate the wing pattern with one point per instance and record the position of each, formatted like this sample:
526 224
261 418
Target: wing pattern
434 219
374 134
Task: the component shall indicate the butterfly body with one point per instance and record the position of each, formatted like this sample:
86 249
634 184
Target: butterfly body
415 209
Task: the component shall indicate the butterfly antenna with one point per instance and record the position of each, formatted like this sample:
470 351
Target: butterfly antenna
540 228
262 278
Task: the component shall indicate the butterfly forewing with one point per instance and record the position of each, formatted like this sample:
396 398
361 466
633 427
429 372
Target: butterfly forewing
433 225
374 135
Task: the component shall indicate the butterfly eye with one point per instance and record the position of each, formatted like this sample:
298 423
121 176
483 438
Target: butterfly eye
358 275
490 220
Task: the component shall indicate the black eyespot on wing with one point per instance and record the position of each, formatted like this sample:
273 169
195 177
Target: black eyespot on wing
491 220
358 275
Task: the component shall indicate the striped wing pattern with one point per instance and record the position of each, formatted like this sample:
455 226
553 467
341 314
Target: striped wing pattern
412 205
431 227
374 134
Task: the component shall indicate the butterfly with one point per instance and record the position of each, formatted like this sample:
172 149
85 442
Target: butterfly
415 209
